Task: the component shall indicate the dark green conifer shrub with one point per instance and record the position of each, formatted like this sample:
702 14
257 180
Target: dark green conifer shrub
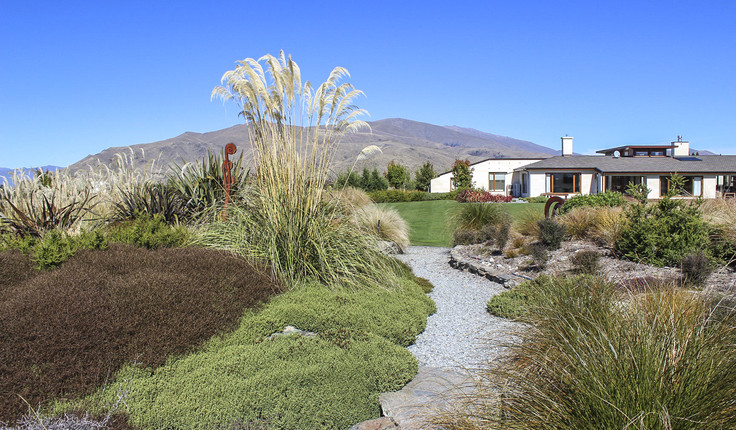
663 233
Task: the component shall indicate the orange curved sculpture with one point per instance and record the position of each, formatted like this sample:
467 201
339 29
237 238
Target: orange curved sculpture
227 174
552 207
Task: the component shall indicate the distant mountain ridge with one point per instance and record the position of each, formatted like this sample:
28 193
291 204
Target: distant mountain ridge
7 173
408 142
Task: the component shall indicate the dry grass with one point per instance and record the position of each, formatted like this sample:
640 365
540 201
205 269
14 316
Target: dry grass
601 224
721 213
609 223
385 223
528 223
580 221
351 198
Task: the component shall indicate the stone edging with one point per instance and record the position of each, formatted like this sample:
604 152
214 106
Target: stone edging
474 266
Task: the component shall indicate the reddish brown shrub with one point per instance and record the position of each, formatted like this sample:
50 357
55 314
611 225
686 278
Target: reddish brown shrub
15 267
481 196
65 331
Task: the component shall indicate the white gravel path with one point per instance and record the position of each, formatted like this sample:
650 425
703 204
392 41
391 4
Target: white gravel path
461 334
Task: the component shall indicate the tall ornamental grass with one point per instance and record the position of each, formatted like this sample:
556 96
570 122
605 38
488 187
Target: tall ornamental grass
663 359
68 201
294 130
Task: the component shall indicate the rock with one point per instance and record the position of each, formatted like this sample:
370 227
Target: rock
432 390
291 330
383 423
389 248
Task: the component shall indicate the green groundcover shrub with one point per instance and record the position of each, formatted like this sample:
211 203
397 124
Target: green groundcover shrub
332 380
56 247
514 303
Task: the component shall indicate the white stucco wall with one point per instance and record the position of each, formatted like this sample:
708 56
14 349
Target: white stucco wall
537 184
443 183
652 182
709 187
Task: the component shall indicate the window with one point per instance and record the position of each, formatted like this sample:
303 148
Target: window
726 184
524 181
693 186
564 183
497 182
619 183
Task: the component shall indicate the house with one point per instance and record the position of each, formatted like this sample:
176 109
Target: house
707 176
496 175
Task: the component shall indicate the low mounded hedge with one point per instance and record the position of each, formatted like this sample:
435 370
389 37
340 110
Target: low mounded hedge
397 196
65 331
609 198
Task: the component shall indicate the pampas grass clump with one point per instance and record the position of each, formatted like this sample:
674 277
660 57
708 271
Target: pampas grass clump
283 220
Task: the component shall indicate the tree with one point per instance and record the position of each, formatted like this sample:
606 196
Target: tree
424 176
372 181
462 174
397 175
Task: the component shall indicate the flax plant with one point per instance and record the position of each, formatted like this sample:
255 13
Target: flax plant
294 129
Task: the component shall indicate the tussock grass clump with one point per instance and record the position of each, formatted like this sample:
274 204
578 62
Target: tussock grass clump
474 216
283 219
482 222
385 223
609 223
551 233
528 223
658 360
66 331
580 221
696 267
586 262
351 197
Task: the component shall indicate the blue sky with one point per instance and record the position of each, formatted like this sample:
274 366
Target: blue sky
79 77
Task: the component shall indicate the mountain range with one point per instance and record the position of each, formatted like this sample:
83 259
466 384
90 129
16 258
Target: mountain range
408 142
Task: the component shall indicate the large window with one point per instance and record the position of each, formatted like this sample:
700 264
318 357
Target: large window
693 186
497 182
564 183
726 184
619 183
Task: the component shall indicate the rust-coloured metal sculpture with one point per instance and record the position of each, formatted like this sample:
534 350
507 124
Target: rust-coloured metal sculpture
552 207
227 174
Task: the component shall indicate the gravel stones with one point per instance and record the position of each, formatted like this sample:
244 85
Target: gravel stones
461 334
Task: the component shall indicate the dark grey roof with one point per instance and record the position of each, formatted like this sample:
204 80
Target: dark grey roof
606 164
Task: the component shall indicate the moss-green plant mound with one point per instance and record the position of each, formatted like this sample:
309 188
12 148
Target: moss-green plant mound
331 380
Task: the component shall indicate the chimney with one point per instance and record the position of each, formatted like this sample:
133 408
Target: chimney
566 146
682 148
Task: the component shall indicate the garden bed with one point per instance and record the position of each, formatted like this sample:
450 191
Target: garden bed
481 260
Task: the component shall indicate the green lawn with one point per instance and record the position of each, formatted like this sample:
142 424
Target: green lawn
430 222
